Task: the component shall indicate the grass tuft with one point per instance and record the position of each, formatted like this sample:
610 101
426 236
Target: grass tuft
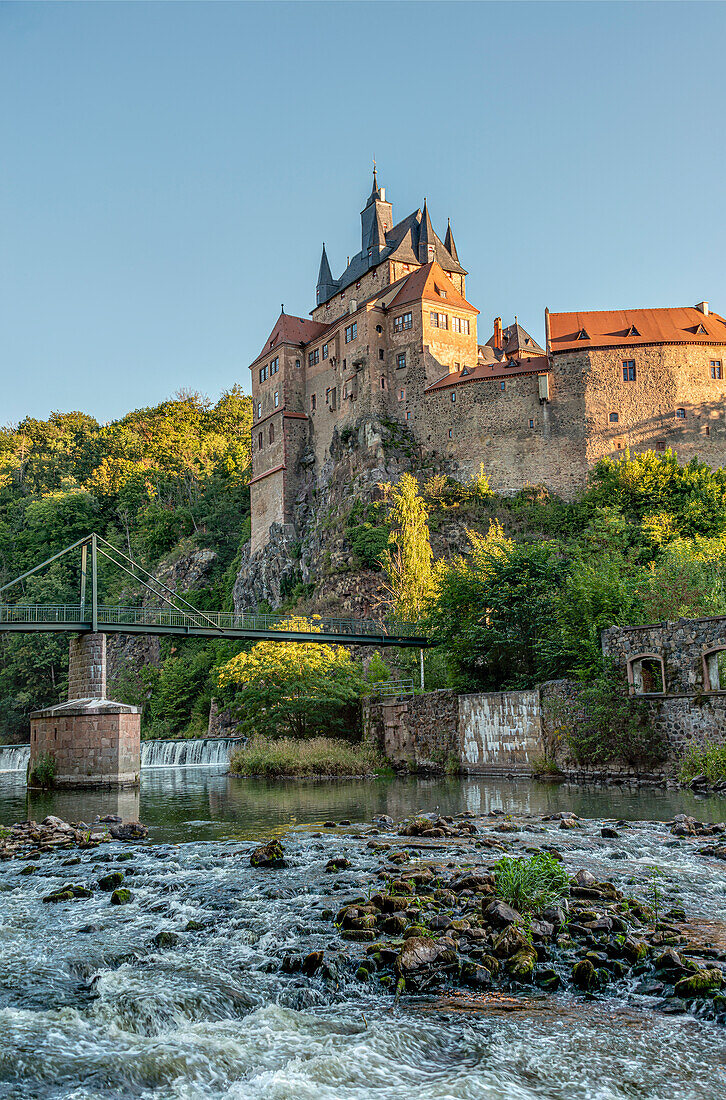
318 756
530 885
709 761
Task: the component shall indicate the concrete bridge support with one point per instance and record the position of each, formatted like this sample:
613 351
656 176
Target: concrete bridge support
93 741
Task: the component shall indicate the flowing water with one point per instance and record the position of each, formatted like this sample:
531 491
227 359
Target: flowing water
197 752
91 1009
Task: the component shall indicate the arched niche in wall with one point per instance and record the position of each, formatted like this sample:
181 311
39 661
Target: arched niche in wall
646 674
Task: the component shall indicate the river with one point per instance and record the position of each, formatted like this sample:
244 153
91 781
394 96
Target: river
91 1009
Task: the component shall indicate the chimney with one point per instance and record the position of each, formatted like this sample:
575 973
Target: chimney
498 334
703 306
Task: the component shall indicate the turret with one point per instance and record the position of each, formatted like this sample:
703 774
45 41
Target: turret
376 210
327 286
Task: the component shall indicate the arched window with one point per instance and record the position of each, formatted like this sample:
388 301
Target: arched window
614 418
646 674
714 669
681 414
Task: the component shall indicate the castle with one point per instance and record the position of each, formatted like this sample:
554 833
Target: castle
394 338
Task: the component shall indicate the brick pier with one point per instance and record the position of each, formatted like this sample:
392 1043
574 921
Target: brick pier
94 741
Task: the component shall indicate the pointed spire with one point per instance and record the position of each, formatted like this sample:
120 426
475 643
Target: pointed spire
449 243
326 284
378 232
376 192
426 237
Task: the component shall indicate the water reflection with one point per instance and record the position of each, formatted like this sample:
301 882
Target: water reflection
199 803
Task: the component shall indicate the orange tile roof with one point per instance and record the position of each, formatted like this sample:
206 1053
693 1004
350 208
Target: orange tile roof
484 372
291 330
632 327
422 283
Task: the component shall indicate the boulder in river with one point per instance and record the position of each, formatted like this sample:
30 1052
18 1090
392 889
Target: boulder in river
500 914
268 855
131 830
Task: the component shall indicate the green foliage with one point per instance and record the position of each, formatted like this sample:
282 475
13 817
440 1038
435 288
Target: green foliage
179 471
608 725
294 689
708 760
407 561
277 757
378 671
369 542
530 885
43 772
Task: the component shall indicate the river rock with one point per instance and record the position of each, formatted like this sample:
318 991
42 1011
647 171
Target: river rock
699 984
521 965
420 951
509 942
584 975
132 830
584 878
268 855
121 896
500 914
111 881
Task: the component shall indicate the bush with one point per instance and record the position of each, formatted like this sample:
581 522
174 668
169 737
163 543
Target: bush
320 756
368 542
42 774
530 885
709 760
611 726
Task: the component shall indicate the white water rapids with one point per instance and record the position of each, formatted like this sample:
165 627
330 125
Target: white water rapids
91 1009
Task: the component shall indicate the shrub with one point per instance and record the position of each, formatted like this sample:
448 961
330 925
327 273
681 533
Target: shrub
612 726
42 774
709 760
369 543
320 756
530 885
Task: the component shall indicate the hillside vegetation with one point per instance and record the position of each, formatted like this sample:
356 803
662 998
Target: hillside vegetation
514 590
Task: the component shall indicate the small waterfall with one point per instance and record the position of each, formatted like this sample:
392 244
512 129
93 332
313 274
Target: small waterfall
203 752
14 758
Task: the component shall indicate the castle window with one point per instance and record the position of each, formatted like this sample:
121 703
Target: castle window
614 418
681 414
453 397
327 305
434 319
272 433
263 374
409 415
716 368
400 360
502 385
357 284
259 442
259 409
381 353
405 320
401 395
313 402
441 293
274 366
351 331
660 445
531 423
714 670
297 364
327 396
277 398
646 675
460 324
313 357
451 433
383 383
379 328
325 351
708 430
628 370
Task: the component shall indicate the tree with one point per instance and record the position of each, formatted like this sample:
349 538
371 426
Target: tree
407 559
494 612
294 689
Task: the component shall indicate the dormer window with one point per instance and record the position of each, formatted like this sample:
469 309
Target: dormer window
582 334
699 330
441 293
632 331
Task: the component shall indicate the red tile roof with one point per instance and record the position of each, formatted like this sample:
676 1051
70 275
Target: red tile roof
422 283
291 330
484 372
632 327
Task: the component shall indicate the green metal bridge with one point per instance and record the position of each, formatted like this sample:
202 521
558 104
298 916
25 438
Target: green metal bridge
178 616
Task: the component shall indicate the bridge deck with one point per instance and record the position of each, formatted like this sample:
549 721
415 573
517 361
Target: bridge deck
214 624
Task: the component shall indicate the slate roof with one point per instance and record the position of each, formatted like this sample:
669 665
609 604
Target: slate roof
517 341
633 327
422 283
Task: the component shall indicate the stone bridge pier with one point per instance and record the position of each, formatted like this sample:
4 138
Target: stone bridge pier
93 741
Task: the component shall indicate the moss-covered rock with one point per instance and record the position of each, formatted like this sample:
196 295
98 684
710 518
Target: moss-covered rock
699 984
111 881
584 975
121 896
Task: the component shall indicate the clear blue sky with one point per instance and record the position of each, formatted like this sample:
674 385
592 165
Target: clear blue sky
168 172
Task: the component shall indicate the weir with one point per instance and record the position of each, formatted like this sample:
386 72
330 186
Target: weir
197 752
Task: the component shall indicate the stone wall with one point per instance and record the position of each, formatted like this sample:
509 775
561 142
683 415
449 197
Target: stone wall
93 743
87 666
421 731
500 731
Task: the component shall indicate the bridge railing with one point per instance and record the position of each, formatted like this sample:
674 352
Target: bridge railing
393 687
140 617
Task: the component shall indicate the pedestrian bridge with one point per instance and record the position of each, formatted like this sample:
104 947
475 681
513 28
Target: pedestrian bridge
178 616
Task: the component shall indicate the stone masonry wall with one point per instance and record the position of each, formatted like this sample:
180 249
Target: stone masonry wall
92 745
683 645
87 666
500 731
